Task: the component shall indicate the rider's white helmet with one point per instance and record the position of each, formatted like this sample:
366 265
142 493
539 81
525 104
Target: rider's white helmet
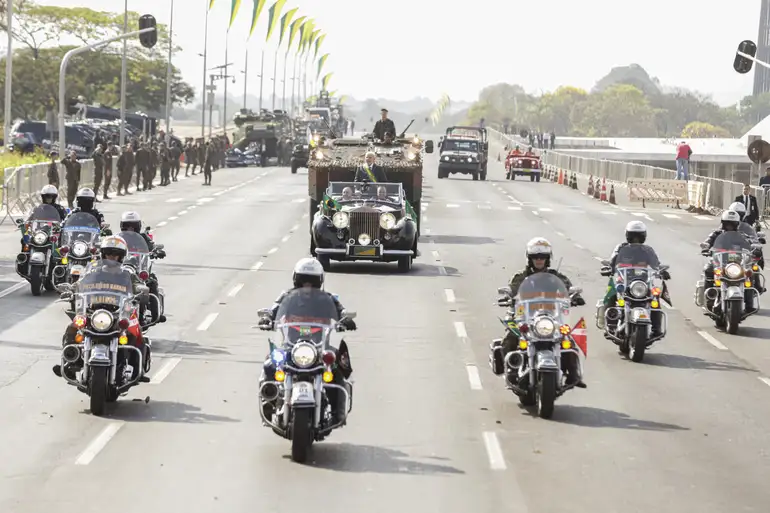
539 246
85 192
49 190
308 269
636 227
130 217
730 216
739 208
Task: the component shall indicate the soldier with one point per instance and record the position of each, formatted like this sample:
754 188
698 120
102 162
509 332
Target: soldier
207 163
201 153
176 154
164 156
189 157
153 164
98 158
72 176
126 163
142 166
53 170
109 152
384 126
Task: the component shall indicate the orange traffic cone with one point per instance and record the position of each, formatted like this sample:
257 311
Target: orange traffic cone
603 196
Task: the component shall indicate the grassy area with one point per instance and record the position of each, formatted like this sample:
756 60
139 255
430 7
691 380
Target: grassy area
8 159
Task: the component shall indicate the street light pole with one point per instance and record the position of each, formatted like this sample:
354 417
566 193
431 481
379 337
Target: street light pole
203 87
8 75
224 102
245 78
261 78
169 71
275 72
123 73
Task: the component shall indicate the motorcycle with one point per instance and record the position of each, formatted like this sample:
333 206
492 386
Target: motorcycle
79 238
637 321
306 367
104 319
139 261
754 237
733 297
535 370
39 251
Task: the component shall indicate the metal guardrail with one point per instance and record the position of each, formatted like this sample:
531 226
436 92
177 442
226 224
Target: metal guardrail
716 195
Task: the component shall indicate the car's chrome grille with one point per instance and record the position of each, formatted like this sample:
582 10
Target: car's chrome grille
365 222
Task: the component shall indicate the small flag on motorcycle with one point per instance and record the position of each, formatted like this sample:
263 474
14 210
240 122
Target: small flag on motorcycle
580 336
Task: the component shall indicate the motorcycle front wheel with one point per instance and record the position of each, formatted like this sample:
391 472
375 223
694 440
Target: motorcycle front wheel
733 317
638 343
546 394
97 389
301 434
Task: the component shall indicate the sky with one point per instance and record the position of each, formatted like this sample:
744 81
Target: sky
401 49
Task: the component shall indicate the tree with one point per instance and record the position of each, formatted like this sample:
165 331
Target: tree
700 130
621 111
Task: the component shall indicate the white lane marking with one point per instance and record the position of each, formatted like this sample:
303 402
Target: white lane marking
427 231
460 329
450 295
205 200
514 200
711 340
192 207
436 256
545 209
452 205
473 377
482 206
285 238
257 266
514 208
671 216
208 321
272 250
536 212
99 443
545 221
764 380
442 270
494 451
598 258
173 218
294 228
609 213
579 246
219 193
234 291
162 223
183 212
299 200
164 371
13 288
560 234
705 218
174 200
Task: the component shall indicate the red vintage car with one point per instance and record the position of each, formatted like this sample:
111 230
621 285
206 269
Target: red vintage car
522 164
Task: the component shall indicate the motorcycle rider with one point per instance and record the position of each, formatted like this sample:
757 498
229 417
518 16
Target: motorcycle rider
740 209
132 222
48 195
309 273
85 203
112 248
636 233
539 254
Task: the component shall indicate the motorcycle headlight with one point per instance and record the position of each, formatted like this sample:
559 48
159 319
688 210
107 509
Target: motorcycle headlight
733 271
79 249
638 289
303 355
340 220
544 327
39 238
387 221
102 320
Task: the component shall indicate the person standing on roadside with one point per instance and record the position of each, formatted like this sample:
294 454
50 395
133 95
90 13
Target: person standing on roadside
207 164
750 201
98 157
53 170
126 163
683 152
72 176
142 166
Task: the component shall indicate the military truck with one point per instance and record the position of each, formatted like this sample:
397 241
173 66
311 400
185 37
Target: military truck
465 150
337 160
272 129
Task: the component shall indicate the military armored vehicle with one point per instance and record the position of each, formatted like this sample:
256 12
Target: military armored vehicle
268 128
336 160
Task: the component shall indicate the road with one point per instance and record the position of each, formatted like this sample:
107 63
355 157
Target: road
431 428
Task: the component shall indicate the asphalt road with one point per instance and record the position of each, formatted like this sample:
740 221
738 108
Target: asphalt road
431 428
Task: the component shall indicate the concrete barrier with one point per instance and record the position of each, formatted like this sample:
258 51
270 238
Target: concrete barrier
660 190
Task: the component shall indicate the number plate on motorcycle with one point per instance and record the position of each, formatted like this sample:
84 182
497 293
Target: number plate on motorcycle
302 391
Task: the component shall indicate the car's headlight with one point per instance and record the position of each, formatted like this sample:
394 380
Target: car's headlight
304 147
39 238
470 159
544 327
364 239
733 271
411 155
79 249
638 289
387 221
446 157
340 220
102 320
319 154
303 355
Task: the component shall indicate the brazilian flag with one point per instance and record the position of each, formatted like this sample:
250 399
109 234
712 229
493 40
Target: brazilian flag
330 203
611 292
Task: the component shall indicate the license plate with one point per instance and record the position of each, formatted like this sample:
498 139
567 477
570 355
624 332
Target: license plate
302 392
371 251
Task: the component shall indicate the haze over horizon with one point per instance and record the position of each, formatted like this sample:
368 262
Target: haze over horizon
460 56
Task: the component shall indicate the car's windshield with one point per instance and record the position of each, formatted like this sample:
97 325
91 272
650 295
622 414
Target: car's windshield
359 191
459 145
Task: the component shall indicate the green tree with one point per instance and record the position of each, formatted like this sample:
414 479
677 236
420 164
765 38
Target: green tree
700 130
621 111
555 109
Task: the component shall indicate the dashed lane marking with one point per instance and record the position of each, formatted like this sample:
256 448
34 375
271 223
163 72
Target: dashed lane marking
272 250
671 216
452 205
158 377
234 291
208 321
285 238
494 451
711 340
181 213
460 329
450 295
705 218
473 377
436 256
162 223
12 289
257 266
174 200
764 380
173 218
99 443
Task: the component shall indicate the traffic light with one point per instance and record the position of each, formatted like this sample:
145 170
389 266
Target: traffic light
148 39
742 64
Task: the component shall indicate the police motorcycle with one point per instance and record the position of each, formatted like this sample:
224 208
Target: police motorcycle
732 298
39 255
306 366
106 357
139 261
79 239
540 322
755 237
637 320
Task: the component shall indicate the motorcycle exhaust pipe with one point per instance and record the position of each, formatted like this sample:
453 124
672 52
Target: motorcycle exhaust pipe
712 293
21 258
269 392
59 271
71 354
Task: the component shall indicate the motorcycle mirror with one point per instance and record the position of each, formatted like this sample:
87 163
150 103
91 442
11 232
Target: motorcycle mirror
263 312
574 291
663 267
606 263
349 315
160 246
20 222
64 287
143 289
66 296
504 291
147 229
704 246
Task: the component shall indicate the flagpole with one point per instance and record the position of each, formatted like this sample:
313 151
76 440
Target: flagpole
305 81
203 89
293 83
261 77
224 103
283 96
245 77
275 75
169 71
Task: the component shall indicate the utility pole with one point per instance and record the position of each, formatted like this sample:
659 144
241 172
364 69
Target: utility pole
8 75
216 77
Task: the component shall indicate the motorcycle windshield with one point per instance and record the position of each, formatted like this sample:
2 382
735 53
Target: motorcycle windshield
306 314
747 230
138 255
634 262
730 247
542 294
81 226
106 285
45 213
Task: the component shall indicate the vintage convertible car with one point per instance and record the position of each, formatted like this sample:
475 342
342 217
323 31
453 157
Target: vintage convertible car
365 221
246 158
522 165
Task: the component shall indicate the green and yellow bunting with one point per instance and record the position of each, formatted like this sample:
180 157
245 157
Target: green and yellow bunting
258 6
331 94
293 29
325 81
285 20
211 4
321 63
309 26
343 98
311 40
235 5
272 21
438 111
301 40
318 41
